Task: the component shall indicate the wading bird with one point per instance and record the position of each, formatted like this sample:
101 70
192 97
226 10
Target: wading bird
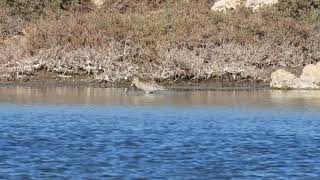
147 86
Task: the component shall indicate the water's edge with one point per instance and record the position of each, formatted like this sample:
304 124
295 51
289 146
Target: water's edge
175 97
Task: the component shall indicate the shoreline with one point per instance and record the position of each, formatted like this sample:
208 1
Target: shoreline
58 80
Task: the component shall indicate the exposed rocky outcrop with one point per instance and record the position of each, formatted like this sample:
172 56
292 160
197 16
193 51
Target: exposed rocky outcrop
282 79
224 5
256 4
309 79
311 73
98 3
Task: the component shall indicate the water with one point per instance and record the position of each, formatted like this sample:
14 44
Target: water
86 133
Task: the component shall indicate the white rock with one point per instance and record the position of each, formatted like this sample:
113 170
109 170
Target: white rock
311 73
98 3
282 79
256 4
224 5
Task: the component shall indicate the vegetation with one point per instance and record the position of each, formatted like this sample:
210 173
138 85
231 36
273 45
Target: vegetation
159 39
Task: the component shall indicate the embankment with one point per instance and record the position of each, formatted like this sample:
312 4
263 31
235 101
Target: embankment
168 41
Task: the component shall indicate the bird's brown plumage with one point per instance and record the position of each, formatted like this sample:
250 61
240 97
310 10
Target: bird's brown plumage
147 86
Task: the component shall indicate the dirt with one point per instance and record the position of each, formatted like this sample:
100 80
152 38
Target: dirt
39 79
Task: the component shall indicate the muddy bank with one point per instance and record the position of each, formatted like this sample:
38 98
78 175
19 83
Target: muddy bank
40 79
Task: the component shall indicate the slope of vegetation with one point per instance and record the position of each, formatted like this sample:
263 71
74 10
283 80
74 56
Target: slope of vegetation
160 39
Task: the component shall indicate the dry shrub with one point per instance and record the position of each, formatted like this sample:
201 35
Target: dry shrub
9 25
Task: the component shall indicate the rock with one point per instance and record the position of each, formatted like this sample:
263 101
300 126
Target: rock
282 79
311 73
256 4
224 5
98 3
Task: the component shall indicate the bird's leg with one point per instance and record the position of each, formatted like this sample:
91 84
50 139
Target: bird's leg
127 89
149 92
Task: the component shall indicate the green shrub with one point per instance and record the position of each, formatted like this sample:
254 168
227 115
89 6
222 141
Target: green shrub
313 15
298 9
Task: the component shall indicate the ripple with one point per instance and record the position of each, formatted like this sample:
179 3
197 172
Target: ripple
158 142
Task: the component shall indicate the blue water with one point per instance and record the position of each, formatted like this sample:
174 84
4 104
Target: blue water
158 142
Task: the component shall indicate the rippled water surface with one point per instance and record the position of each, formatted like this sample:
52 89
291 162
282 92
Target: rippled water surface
87 133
